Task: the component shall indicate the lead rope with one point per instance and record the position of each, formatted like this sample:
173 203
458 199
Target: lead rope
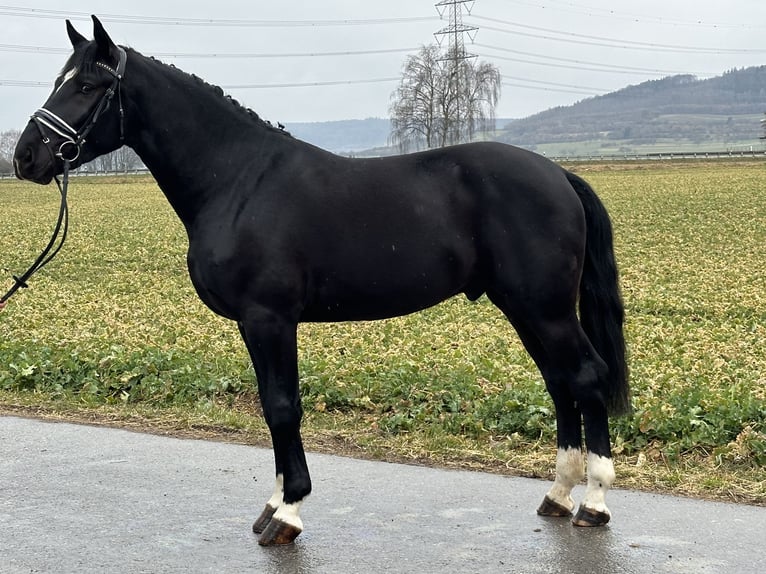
54 245
44 117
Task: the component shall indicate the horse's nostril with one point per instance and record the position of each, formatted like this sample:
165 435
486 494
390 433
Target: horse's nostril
24 156
23 161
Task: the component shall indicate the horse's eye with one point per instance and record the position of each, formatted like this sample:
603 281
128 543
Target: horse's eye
86 88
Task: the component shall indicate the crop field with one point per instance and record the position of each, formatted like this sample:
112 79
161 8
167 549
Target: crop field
113 331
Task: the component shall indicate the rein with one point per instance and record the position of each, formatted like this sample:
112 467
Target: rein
50 251
75 138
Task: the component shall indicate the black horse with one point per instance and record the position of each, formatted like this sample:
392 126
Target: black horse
282 232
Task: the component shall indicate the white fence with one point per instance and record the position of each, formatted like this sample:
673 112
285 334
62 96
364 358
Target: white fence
664 156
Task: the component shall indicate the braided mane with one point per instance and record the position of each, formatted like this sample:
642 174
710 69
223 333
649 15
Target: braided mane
218 91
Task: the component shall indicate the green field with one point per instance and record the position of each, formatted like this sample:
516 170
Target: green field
112 331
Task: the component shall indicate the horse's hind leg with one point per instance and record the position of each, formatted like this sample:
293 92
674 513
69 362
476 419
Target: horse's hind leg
593 510
272 344
570 468
569 461
573 375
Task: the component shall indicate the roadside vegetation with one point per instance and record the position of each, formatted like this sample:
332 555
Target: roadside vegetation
112 333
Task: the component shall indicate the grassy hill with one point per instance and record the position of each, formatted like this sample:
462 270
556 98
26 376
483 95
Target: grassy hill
676 113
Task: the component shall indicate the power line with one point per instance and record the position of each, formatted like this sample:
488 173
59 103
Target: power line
219 55
587 89
214 22
309 84
586 39
638 18
543 89
455 31
571 64
583 89
565 66
33 84
34 49
51 50
284 54
25 84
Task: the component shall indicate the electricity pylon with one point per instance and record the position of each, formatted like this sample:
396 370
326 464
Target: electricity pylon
456 53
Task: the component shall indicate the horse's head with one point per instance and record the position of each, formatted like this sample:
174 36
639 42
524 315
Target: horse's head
82 118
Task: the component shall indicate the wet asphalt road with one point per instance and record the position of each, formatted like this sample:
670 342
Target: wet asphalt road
79 499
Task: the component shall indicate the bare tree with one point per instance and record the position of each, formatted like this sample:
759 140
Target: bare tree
481 92
439 103
415 103
123 159
8 141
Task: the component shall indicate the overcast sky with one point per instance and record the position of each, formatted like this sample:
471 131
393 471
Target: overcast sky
550 52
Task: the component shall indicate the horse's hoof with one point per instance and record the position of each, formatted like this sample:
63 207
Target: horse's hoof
589 517
550 507
263 520
278 533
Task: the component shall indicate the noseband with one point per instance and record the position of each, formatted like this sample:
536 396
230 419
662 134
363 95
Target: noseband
74 139
69 150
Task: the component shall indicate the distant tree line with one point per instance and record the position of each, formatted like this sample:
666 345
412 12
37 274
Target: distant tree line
123 159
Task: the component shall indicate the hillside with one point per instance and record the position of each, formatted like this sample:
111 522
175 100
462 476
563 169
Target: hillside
343 136
679 110
350 137
676 113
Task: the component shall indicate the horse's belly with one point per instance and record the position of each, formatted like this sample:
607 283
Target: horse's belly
378 289
368 309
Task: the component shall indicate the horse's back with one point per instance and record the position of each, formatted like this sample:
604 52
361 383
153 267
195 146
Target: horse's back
373 238
419 228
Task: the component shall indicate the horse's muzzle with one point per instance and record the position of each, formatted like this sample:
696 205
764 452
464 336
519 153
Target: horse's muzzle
32 162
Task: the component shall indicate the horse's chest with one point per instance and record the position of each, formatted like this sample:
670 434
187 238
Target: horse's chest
215 278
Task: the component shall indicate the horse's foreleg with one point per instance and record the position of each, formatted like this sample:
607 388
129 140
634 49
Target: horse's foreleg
267 514
273 348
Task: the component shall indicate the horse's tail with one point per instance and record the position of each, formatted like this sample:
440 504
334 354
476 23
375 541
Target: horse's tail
601 308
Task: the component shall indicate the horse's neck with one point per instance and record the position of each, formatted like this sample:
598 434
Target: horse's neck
189 136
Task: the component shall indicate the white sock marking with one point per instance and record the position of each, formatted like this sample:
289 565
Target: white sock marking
288 513
279 491
569 472
600 478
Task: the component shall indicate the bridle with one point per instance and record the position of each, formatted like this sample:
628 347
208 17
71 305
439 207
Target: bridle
76 138
73 139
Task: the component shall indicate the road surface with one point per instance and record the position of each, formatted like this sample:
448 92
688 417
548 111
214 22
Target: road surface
80 499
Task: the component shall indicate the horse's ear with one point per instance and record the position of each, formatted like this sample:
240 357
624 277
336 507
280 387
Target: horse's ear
105 45
74 36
